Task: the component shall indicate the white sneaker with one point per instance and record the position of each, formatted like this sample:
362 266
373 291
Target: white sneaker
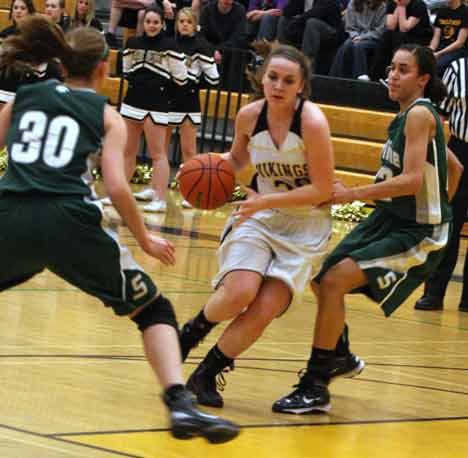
363 77
186 204
156 206
146 195
106 201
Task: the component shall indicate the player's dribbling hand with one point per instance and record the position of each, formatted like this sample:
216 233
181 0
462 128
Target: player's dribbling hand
247 207
161 249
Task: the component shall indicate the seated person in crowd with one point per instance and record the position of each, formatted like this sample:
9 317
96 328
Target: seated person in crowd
450 33
223 24
18 10
84 15
364 24
406 21
263 17
312 25
55 9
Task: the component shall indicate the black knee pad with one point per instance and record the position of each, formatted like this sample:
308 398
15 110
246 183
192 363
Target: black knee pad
160 311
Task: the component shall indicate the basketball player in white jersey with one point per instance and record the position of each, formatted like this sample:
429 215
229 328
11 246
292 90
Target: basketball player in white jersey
275 241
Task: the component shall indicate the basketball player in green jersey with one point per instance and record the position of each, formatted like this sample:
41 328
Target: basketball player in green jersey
393 251
48 219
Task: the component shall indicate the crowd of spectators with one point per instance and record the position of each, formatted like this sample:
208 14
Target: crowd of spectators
342 38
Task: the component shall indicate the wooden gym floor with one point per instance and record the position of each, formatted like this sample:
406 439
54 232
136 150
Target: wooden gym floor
74 382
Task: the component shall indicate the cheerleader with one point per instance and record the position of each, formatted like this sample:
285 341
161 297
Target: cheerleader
150 64
185 103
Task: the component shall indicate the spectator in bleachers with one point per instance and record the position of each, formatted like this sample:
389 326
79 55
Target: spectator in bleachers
316 26
55 9
450 33
150 64
18 10
84 15
263 17
364 24
185 100
406 21
224 25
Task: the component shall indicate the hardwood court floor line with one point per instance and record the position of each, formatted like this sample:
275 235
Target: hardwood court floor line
42 441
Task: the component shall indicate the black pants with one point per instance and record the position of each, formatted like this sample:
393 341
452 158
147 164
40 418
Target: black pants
437 283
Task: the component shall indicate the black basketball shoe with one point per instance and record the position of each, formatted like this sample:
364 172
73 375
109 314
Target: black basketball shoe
190 337
205 383
310 396
188 422
347 366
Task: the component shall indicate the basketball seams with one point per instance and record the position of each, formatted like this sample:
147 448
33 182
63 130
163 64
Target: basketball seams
202 172
209 197
219 170
214 184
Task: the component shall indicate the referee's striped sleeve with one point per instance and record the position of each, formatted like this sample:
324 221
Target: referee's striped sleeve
454 106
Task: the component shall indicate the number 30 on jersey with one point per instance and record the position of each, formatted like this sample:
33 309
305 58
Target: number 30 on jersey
56 139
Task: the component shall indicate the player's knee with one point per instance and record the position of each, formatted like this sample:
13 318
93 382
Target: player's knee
240 298
267 312
331 281
160 311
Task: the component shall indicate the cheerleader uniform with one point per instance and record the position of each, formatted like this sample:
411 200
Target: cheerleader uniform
150 64
185 102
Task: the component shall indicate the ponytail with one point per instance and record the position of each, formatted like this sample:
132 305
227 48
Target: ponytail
41 40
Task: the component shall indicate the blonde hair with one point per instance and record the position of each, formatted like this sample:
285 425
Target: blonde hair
77 21
190 14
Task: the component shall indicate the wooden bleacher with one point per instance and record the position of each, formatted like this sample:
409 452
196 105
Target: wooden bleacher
4 18
357 134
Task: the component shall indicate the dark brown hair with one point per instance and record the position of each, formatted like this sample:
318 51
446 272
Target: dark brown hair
29 6
272 50
435 89
41 40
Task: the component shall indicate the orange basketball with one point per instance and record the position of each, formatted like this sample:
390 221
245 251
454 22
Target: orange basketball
207 181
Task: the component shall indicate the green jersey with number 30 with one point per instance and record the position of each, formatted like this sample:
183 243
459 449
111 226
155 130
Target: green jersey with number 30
430 205
54 130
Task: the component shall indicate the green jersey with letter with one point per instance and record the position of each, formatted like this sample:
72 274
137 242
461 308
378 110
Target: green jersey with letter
430 205
54 131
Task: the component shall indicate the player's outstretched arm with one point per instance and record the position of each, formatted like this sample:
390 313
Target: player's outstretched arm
419 123
119 191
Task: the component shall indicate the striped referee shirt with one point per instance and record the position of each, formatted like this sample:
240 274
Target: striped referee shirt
454 106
